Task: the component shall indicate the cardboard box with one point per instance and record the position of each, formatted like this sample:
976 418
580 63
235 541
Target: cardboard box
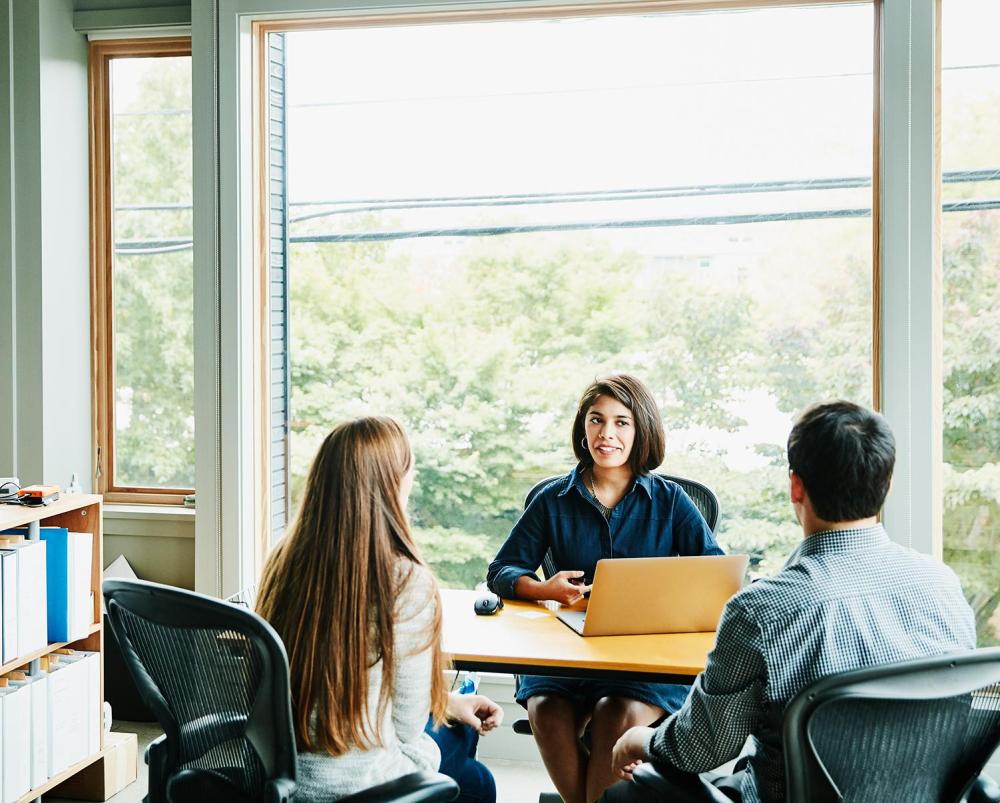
108 775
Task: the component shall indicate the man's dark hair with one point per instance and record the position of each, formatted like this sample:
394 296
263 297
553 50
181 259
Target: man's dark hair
844 454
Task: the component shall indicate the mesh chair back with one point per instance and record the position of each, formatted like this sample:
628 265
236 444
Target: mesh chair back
216 677
918 730
703 497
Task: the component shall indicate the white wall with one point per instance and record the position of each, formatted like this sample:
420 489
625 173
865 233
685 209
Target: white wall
45 384
7 323
157 542
45 416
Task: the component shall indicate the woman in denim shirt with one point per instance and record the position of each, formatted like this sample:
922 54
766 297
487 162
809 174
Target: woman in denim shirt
609 506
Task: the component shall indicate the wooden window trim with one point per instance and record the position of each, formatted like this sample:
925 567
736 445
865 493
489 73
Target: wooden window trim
101 266
407 16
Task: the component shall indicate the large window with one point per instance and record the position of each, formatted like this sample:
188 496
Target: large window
141 234
970 122
482 216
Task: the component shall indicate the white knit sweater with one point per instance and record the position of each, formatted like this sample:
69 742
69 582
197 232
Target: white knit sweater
405 746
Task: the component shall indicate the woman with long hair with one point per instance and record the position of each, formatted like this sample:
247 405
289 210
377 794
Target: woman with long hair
611 505
360 615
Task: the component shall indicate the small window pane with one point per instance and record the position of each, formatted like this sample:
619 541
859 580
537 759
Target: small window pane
153 308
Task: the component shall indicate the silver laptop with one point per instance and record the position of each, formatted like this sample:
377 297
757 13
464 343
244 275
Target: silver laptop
633 596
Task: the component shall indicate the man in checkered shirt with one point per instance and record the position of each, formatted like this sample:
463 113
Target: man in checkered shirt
847 597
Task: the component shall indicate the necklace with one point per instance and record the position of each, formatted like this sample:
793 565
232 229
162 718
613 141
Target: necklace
593 492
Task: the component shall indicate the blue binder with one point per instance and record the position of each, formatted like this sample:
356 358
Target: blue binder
57 573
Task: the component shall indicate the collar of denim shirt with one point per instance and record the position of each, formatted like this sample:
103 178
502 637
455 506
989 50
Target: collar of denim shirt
644 481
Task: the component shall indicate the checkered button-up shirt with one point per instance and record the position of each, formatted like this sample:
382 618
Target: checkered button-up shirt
845 599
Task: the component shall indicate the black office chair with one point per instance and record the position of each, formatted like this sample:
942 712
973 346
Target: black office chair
216 677
915 730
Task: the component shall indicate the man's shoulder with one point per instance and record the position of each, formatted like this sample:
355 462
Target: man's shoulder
810 580
768 596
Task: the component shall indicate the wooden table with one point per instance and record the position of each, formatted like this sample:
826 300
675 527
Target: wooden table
527 638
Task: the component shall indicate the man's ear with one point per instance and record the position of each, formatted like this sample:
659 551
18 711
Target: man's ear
796 490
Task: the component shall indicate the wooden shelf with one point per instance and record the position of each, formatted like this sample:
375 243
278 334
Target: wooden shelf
22 660
79 513
67 773
19 515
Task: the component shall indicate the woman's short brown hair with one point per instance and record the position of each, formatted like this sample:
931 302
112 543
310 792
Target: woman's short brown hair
648 446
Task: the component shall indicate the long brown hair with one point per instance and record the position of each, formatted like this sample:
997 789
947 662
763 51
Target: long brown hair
330 585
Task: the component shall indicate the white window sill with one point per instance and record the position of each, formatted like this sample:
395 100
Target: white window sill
174 513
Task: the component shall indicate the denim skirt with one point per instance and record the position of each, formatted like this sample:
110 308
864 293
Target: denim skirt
668 696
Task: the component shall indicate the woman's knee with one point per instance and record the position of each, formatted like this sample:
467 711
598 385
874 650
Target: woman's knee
548 705
554 714
625 712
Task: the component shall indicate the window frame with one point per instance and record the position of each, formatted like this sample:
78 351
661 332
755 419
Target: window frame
225 272
102 53
261 29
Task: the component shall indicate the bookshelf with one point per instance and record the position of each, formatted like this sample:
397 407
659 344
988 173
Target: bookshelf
79 513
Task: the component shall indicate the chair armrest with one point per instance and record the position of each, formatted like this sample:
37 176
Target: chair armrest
522 727
647 776
984 790
674 785
417 787
156 760
280 790
203 785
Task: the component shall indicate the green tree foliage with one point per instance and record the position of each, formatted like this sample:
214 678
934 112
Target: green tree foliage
483 353
153 292
971 360
972 411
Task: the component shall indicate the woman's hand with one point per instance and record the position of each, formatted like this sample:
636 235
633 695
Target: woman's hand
478 712
565 587
630 751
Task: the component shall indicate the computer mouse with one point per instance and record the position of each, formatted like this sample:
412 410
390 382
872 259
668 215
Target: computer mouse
488 604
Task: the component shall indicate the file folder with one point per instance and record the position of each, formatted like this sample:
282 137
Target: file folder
15 699
39 729
8 580
32 619
69 562
95 718
68 714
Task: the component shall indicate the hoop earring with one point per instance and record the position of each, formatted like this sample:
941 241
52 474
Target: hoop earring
583 442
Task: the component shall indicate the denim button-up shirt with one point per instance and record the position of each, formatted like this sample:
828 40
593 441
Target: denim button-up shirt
655 518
